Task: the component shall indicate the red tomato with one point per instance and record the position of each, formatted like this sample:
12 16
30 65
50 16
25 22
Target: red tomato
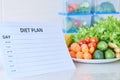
87 39
97 40
76 23
72 54
92 45
84 46
69 49
80 42
91 50
70 9
93 40
74 6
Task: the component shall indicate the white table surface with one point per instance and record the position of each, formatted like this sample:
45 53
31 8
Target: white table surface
109 71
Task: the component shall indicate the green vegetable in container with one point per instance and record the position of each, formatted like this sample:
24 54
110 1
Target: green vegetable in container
105 7
84 7
108 7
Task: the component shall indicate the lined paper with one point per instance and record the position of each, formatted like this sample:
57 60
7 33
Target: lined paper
33 49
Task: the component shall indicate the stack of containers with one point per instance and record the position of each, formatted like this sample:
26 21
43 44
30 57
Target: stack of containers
85 13
77 13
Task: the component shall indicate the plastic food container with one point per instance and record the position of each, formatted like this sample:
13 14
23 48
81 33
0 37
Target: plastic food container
77 6
101 6
72 23
0 60
98 17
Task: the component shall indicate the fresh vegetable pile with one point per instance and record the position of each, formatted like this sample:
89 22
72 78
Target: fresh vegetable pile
107 30
102 41
83 49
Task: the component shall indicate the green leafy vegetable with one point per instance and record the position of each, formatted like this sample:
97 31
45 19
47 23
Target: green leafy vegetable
107 30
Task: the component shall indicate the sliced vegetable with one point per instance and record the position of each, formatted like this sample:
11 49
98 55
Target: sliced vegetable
117 55
117 50
112 45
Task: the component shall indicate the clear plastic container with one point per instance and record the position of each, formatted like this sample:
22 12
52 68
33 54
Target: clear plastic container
1 64
71 24
106 6
77 6
99 17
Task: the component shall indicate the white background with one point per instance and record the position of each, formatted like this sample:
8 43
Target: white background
31 10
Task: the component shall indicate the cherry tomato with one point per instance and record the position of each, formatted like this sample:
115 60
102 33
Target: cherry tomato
92 45
72 54
80 42
70 9
77 23
69 49
84 45
94 40
74 6
97 40
87 39
91 50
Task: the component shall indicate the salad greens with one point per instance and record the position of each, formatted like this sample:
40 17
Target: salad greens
107 30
